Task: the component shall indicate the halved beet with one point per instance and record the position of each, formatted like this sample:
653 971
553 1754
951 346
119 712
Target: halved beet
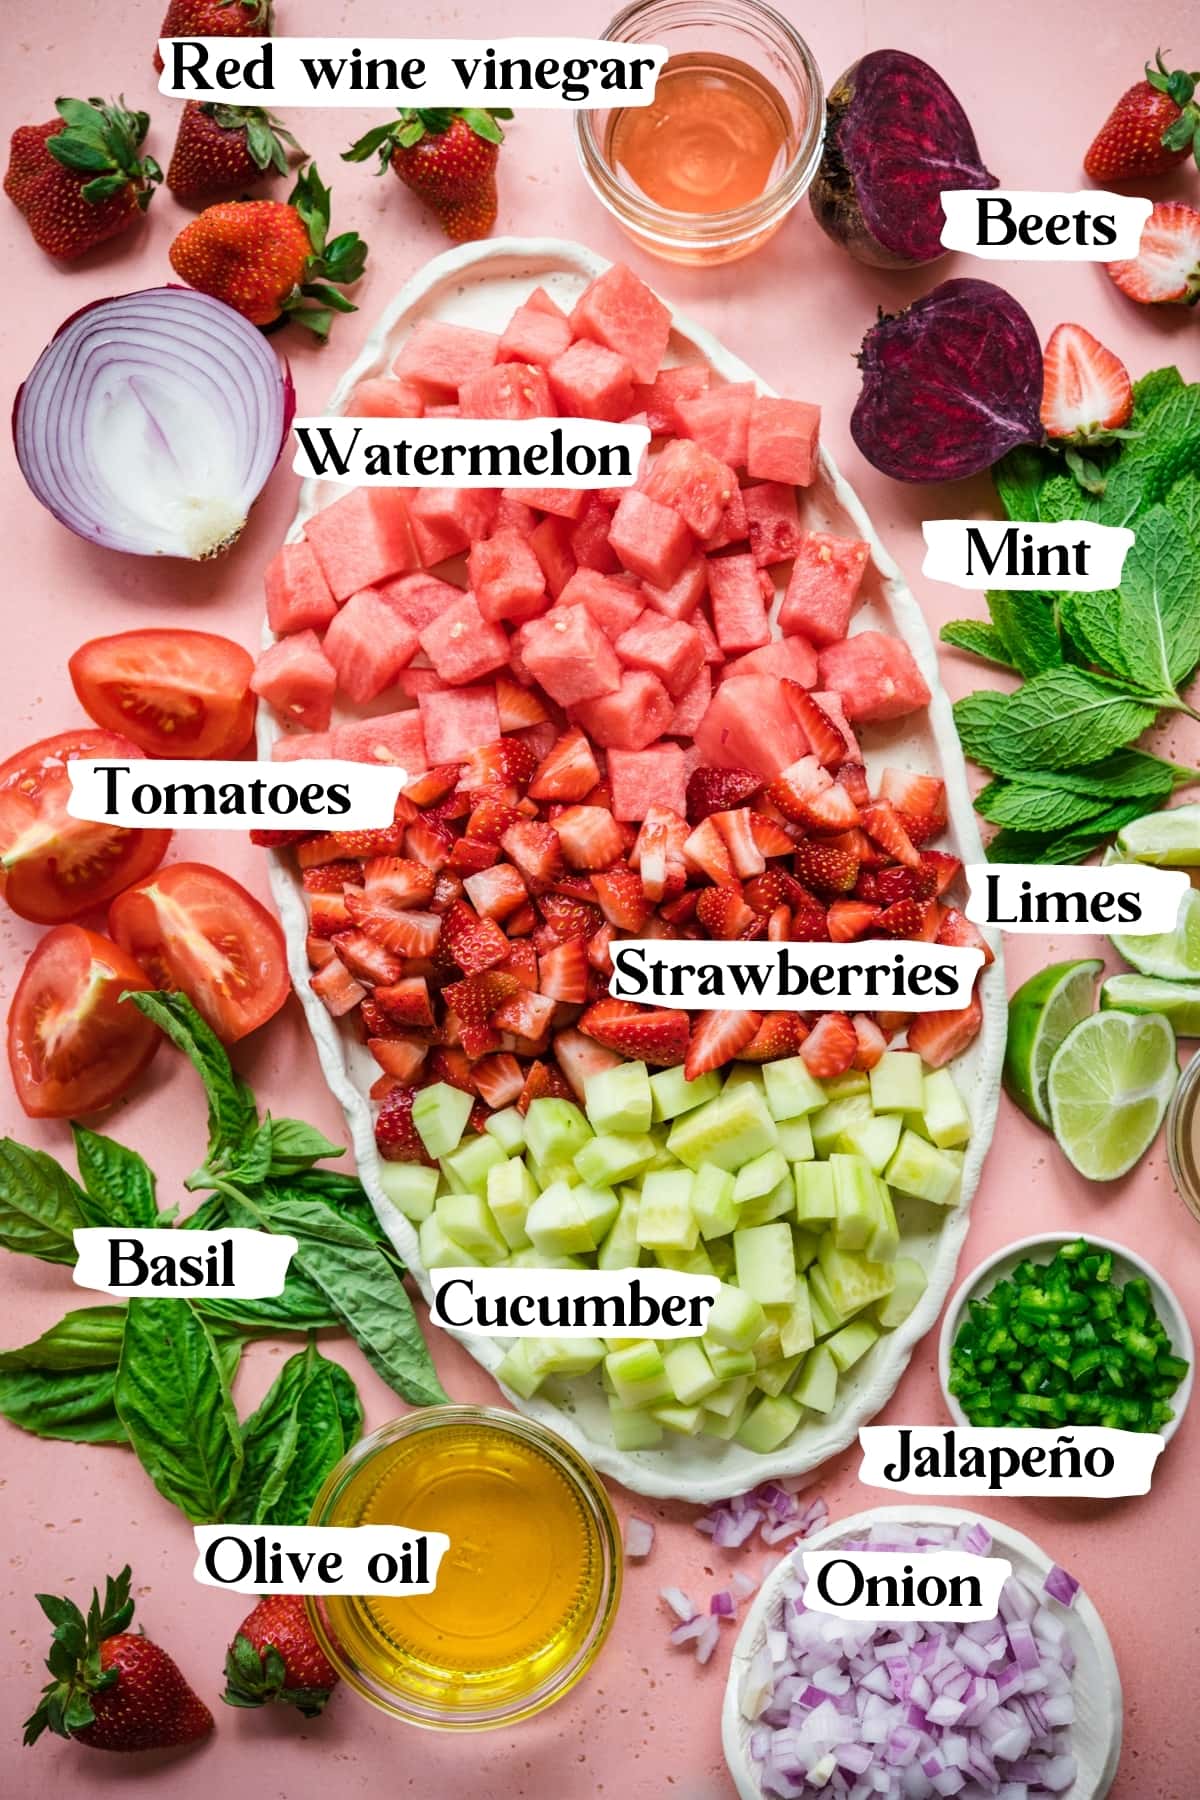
949 385
895 136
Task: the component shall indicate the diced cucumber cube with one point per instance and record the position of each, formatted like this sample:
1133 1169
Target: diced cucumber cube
554 1131
898 1082
725 1400
671 1093
466 1169
720 1255
910 1285
440 1113
741 1075
796 1139
778 1204
633 1430
825 1315
947 1121
768 1346
685 1420
852 1342
805 1242
728 1131
608 1159
768 1425
688 1370
921 1169
511 1191
775 1376
715 1426
874 1139
727 1364
619 1100
842 1087
817 1386
570 1220
529 1258
884 1240
515 1372
796 1332
816 1203
438 1248
735 1319
620 1249
665 1218
466 1220
712 1201
828 1124
759 1177
857 1207
564 1355
638 1374
410 1187
695 1261
854 1281
765 1265
508 1128
791 1091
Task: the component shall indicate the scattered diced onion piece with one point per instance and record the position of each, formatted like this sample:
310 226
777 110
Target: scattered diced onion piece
639 1538
1061 1586
678 1602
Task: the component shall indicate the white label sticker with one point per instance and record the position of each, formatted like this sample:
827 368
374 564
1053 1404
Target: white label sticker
1035 898
891 1584
318 1559
906 977
1025 225
323 794
470 453
532 73
1074 556
238 1264
568 1303
1078 1461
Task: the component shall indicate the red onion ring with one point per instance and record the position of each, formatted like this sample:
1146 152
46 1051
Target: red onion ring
151 422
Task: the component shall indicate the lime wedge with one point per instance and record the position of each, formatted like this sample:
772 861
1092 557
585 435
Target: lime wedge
1040 1014
1168 839
1109 1085
1171 955
1178 1001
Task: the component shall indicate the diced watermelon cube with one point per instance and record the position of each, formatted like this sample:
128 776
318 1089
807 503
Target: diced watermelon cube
506 578
457 721
612 604
631 718
659 398
692 705
750 725
394 739
302 746
793 657
534 335
822 591
589 382
650 539
736 598
772 522
297 680
719 420
512 509
680 600
418 679
713 653
550 541
876 676
384 397
368 644
462 645
733 527
640 779
589 539
668 648
541 301
446 520
618 309
437 356
298 595
831 704
511 390
418 598
699 487
364 537
782 442
568 653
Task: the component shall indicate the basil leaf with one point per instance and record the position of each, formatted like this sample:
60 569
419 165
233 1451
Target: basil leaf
344 1193
1159 615
1028 807
979 639
75 1404
118 1182
172 1396
295 1438
88 1338
1065 716
1026 627
212 1214
232 1113
40 1205
296 1146
301 1307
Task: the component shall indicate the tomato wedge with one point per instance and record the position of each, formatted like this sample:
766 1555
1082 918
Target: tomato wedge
193 928
72 1046
53 867
175 693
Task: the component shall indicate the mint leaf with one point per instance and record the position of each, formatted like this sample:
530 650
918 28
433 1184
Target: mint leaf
979 639
1019 478
1062 717
1150 466
1159 618
1093 624
1070 846
1125 774
1026 627
1026 806
118 1182
1153 388
978 718
232 1113
172 1396
40 1205
1183 504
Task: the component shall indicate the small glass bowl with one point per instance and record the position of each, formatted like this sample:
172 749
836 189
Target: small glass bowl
753 34
459 1711
1183 1151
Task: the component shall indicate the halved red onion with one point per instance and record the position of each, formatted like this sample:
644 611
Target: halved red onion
151 422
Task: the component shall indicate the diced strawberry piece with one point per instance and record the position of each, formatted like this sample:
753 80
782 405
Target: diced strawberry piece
824 739
717 1037
562 972
807 793
298 595
336 988
447 889
848 920
853 777
769 836
724 914
957 929
720 420
622 898
871 1041
473 943
475 1003
331 878
945 869
406 1002
499 1079
518 707
900 883
506 763
496 892
633 717
525 1015
882 822
434 785
589 537
569 655
706 853
781 442
328 914
535 849
533 335
650 539
542 1083
266 838
737 830
773 888
618 310
319 951
810 924
405 934
938 1037
780 1034
823 588
830 1047
772 522
470 855
590 837
567 918
714 790
695 484
399 1056
510 390
736 599
903 919
430 842
613 604
590 382
828 870
568 772
599 947
456 721
364 537
506 578
439 357
659 399
876 676
921 799
396 1137
657 854
651 1034
384 397
521 961
366 957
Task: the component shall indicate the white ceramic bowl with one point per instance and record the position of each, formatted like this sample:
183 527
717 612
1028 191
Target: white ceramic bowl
1042 1248
1095 1737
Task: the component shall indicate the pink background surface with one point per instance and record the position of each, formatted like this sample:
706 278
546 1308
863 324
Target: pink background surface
1036 80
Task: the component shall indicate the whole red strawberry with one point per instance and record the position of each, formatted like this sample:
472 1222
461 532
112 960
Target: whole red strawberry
448 157
1154 127
267 258
215 18
222 148
276 1657
112 1689
78 178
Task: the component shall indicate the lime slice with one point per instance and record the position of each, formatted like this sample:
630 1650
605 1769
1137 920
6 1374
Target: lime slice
1178 1001
1167 839
1171 955
1109 1085
1040 1014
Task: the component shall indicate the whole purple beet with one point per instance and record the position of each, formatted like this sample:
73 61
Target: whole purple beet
895 136
949 385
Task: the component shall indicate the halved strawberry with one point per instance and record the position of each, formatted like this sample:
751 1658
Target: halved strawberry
402 933
396 1137
473 943
399 1056
769 836
824 739
848 920
919 799
562 972
780 1034
590 837
957 929
946 869
1167 265
406 1002
569 918
724 914
331 878
543 1082
871 1041
398 881
622 898
737 829
518 707
653 1034
717 1037
499 1078
328 914
535 849
568 773
882 822
367 959
830 1047
821 866
336 988
706 853
716 790
938 1037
